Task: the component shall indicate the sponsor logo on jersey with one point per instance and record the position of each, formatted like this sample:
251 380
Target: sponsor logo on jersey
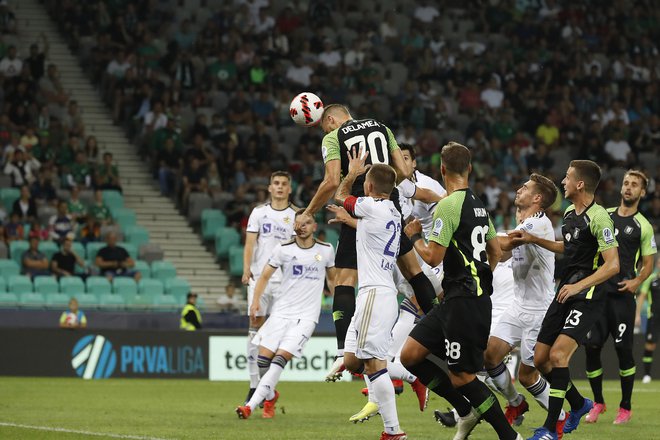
653 245
298 269
266 227
437 227
608 236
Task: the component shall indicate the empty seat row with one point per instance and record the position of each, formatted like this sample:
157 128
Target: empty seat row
93 300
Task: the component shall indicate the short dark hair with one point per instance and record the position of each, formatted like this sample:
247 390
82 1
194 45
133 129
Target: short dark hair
587 171
409 148
456 158
546 188
280 173
640 175
334 109
383 177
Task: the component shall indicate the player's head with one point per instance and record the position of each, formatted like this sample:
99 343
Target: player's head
73 304
380 180
280 185
334 116
633 187
538 191
408 152
581 176
307 228
456 160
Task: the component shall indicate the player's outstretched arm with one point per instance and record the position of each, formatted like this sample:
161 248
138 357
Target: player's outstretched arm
494 252
259 289
356 167
519 238
426 195
341 216
325 192
432 253
607 270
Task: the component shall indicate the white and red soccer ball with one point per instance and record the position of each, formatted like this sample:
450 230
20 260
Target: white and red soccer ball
306 109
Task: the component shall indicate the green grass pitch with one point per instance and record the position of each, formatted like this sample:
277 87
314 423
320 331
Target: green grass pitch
198 409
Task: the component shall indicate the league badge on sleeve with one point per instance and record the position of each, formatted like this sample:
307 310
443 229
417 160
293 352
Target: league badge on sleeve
608 237
437 227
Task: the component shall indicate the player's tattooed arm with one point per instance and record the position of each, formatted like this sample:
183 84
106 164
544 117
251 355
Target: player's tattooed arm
356 167
341 216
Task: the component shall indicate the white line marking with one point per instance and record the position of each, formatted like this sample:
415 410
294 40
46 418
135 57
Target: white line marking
637 389
76 431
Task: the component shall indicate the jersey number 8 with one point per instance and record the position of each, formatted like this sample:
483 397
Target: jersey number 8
375 142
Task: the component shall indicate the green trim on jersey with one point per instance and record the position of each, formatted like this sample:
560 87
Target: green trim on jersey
392 144
602 227
330 147
649 246
446 218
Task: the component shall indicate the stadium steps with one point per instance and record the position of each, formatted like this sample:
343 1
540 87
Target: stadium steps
167 228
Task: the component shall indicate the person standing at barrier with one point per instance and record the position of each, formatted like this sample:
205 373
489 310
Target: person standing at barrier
73 317
191 319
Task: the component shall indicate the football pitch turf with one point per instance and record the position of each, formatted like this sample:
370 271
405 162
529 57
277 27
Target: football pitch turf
55 408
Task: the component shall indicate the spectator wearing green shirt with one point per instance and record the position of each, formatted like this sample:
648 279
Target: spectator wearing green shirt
77 209
98 211
224 71
107 174
80 173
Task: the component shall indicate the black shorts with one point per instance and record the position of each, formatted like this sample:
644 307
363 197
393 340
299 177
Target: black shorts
618 320
346 255
574 318
457 330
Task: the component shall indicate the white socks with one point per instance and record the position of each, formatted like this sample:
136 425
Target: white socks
266 387
252 352
396 371
400 332
383 391
502 379
541 392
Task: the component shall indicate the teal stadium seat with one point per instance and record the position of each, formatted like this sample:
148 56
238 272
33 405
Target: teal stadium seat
93 249
31 299
212 220
124 217
79 249
3 285
72 286
167 302
136 235
19 284
48 248
236 260
88 299
225 238
8 299
8 268
8 196
98 285
113 199
177 287
16 250
144 269
163 270
124 286
151 287
57 300
46 285
130 248
111 301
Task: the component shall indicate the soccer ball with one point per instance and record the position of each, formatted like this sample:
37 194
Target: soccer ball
306 109
71 319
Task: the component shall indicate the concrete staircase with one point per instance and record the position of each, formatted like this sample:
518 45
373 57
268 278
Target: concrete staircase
167 228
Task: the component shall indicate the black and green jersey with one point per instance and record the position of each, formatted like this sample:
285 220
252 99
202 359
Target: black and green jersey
369 134
635 236
462 225
651 286
586 237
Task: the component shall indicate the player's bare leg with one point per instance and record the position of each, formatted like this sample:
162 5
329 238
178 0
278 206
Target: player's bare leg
272 365
343 309
252 352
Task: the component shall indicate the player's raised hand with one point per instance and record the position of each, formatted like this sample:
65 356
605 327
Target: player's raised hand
300 220
567 291
356 161
412 228
341 215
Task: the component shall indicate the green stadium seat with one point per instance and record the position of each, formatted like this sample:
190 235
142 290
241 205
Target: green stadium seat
46 285
98 285
177 287
16 250
88 299
110 300
8 299
3 285
113 199
57 300
212 220
140 301
48 248
163 270
8 196
332 237
31 299
167 301
124 217
19 284
78 270
224 239
136 235
93 249
144 269
72 286
124 286
151 287
79 249
130 248
8 268
236 260
26 231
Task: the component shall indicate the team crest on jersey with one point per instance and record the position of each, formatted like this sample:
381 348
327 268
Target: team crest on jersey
437 227
628 230
608 236
286 220
318 257
568 236
576 233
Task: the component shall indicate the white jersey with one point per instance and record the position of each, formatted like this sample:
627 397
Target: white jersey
273 227
503 285
303 276
424 211
534 267
377 241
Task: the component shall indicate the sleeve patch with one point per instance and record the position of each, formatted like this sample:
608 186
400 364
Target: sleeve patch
437 227
608 236
529 226
653 244
350 202
324 153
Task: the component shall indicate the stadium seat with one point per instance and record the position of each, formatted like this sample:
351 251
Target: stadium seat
332 237
224 239
46 285
72 286
167 301
136 235
151 288
26 231
198 202
4 251
151 252
93 248
163 270
19 284
212 220
124 286
113 199
8 299
88 299
177 287
130 248
124 217
79 249
57 300
8 268
144 269
31 299
236 260
3 285
16 249
98 285
8 196
48 248
110 300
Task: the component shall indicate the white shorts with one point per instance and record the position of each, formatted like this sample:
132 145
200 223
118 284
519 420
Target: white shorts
495 317
518 327
288 334
370 331
266 300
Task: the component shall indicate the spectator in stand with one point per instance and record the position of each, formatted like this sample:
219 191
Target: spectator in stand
37 231
21 167
11 66
53 92
107 174
99 212
154 119
25 207
114 261
73 317
34 262
7 19
92 150
14 228
72 121
64 262
91 231
169 163
61 223
548 133
76 207
42 189
618 150
80 174
239 110
194 180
